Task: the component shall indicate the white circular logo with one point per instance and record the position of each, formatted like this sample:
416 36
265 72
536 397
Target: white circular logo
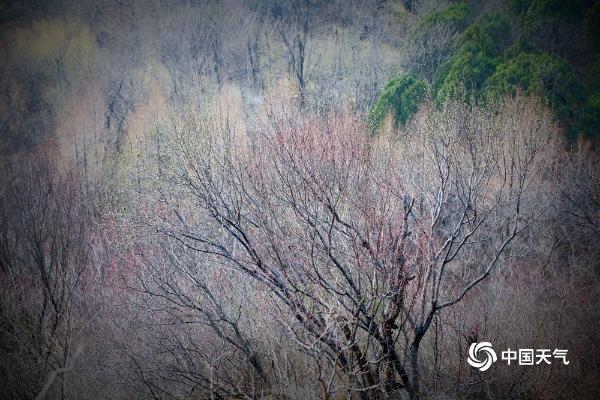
488 352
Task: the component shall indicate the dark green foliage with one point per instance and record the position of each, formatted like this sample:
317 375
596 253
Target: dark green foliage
521 45
592 78
478 54
587 121
518 7
490 32
551 12
402 96
455 15
591 28
484 63
433 39
543 74
467 72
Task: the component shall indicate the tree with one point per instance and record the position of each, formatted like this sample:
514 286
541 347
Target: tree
432 40
542 74
551 12
456 14
552 24
591 28
587 118
358 244
401 97
295 22
43 257
476 58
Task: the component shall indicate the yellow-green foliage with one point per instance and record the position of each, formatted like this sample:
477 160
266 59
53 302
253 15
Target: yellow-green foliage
67 40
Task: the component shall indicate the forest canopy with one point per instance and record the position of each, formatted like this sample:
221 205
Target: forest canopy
531 46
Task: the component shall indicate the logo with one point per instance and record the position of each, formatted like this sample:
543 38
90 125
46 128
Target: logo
487 353
482 356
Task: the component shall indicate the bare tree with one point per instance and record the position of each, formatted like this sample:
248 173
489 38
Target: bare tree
295 23
43 257
361 244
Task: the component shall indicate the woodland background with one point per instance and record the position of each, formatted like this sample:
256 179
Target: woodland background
298 199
